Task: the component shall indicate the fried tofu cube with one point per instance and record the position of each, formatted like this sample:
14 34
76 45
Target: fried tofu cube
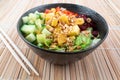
64 19
54 22
61 39
74 30
79 21
49 16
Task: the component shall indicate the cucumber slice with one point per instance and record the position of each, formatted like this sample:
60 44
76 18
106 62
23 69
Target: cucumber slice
36 12
25 19
46 32
27 29
47 42
40 45
31 22
38 24
33 16
43 21
41 38
31 37
42 15
43 25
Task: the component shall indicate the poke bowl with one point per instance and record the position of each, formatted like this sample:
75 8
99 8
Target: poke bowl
62 33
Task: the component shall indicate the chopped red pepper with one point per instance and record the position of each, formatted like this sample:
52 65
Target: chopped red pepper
47 11
76 14
57 9
67 12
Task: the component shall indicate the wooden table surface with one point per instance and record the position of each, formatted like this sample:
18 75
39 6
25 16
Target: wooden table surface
102 64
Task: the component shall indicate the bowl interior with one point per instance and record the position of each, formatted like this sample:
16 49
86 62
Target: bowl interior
101 24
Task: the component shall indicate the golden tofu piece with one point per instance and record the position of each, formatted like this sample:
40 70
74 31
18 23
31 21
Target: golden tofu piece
64 19
79 21
61 39
49 16
74 30
54 22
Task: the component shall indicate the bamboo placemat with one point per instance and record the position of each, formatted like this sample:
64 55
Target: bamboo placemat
102 64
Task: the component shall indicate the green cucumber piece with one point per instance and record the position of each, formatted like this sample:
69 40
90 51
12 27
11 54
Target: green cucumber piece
33 16
25 19
42 15
37 14
31 22
27 29
31 37
46 32
43 25
47 42
40 45
41 38
38 24
43 21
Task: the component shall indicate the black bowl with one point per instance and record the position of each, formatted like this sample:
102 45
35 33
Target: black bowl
66 57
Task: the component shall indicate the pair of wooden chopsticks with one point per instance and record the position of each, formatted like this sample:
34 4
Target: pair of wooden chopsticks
10 45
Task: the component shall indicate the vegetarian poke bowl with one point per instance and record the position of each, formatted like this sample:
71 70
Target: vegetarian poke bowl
62 33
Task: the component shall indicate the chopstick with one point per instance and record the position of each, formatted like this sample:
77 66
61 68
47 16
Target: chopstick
14 54
18 51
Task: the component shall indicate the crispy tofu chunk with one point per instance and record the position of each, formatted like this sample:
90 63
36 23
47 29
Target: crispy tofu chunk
54 22
74 30
64 19
48 16
79 21
61 38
